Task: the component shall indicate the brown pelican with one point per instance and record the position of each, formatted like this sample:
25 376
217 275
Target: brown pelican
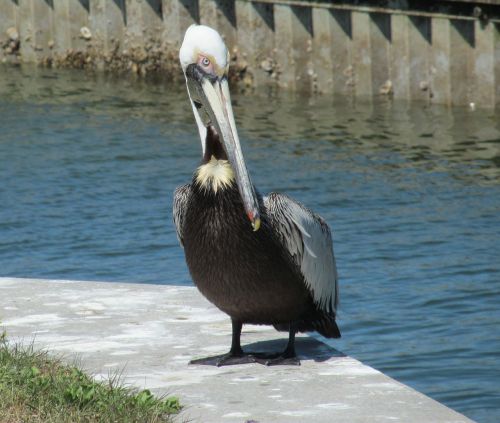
262 260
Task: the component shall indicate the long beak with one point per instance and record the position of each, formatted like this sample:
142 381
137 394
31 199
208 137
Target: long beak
213 94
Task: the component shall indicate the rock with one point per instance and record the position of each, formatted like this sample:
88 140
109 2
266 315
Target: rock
386 88
242 65
267 65
85 33
141 55
12 33
348 71
248 80
309 46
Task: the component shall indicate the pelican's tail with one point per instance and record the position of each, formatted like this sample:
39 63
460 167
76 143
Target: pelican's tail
326 326
323 323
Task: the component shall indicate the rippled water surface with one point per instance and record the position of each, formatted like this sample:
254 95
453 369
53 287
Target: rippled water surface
88 166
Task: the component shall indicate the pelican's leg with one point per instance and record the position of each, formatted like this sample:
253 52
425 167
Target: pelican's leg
290 347
286 357
235 354
236 350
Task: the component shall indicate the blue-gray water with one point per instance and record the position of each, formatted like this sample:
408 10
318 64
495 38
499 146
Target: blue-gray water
88 166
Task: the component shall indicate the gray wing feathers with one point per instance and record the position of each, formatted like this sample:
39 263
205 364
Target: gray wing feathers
181 198
309 241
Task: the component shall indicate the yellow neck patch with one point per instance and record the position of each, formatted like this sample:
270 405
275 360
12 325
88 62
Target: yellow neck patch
215 175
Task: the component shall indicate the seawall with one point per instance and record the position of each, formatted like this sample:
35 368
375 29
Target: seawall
447 52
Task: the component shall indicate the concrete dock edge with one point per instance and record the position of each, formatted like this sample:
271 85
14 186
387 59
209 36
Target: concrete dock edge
150 332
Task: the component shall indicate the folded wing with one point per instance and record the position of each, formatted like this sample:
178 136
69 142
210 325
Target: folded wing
309 241
181 199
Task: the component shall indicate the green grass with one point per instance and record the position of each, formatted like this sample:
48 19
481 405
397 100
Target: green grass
35 387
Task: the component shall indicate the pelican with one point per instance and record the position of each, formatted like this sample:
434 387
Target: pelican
261 260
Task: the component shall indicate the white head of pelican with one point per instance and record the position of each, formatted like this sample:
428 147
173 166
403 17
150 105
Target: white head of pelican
205 62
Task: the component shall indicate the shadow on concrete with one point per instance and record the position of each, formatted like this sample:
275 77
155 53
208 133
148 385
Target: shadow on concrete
156 6
306 348
343 18
191 7
227 8
265 11
466 30
304 16
423 25
383 23
85 4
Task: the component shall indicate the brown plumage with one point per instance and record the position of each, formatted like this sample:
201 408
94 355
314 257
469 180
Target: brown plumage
262 260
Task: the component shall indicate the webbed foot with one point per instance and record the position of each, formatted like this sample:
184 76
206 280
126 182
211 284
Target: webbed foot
228 359
282 361
279 359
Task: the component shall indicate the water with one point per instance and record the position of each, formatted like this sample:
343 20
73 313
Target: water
88 166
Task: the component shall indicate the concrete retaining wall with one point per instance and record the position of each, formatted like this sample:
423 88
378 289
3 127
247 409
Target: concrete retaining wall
447 52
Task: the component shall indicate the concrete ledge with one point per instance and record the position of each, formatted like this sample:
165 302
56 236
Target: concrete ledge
152 331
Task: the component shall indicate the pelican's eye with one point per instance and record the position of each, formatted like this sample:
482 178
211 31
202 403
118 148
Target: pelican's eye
206 63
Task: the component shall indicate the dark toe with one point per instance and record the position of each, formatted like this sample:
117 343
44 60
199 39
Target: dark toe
280 361
224 360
